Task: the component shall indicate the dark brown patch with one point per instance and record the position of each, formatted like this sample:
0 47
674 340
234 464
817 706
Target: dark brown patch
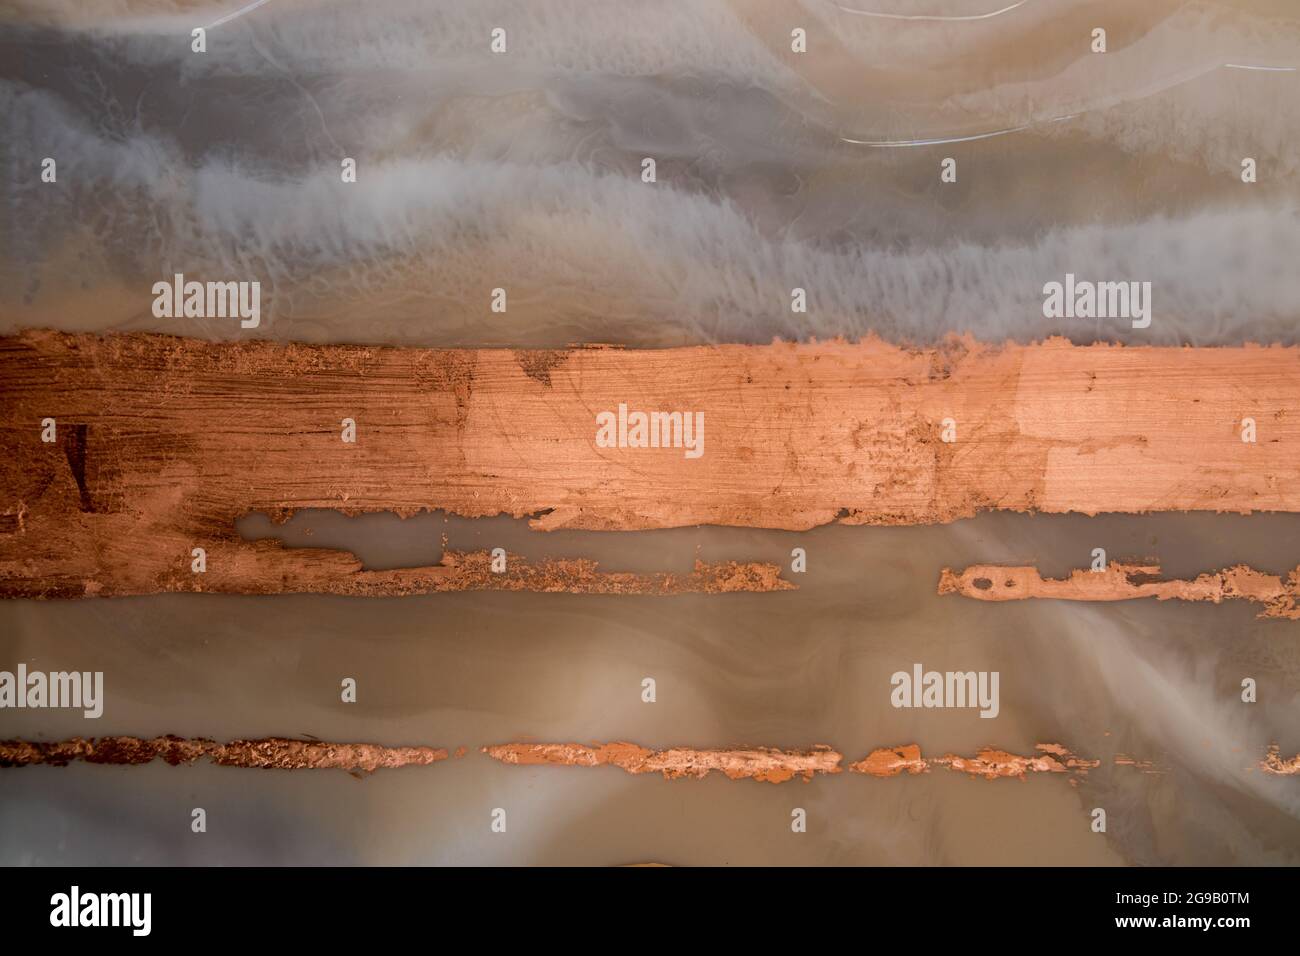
538 363
1137 578
74 447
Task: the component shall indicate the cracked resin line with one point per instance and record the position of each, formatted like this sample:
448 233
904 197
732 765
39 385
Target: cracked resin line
1122 581
271 753
755 763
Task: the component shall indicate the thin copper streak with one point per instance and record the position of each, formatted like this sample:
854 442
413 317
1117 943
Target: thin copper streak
988 762
755 763
472 571
1126 581
991 763
339 572
776 766
1146 766
271 753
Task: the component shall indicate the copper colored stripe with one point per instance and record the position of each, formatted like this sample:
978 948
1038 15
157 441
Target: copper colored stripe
756 763
271 753
988 762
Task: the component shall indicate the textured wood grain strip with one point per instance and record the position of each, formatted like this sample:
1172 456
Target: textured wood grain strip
164 442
